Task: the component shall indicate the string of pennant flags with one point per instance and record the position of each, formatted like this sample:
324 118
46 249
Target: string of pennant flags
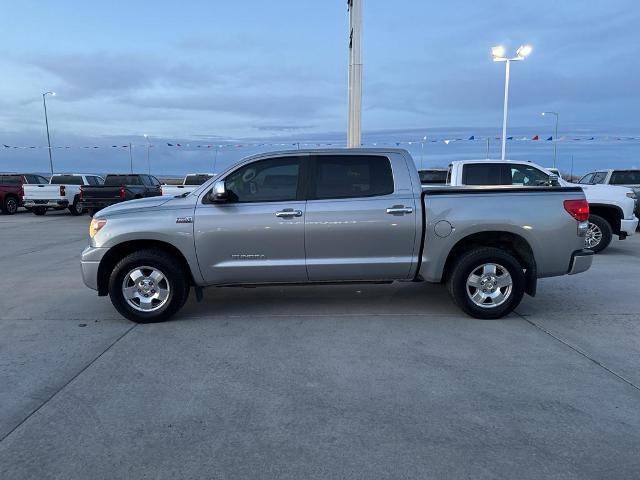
446 141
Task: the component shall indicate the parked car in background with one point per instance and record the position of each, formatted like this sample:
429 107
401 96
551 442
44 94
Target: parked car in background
12 189
118 188
611 208
62 191
189 184
319 216
433 176
621 178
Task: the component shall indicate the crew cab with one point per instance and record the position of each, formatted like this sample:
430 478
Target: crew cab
332 216
621 178
62 191
611 207
189 184
118 188
12 189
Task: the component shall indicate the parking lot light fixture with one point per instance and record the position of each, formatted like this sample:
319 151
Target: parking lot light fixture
46 122
498 54
555 137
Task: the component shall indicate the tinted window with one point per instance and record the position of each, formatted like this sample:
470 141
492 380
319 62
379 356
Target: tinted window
146 180
196 179
270 180
483 174
586 179
33 179
92 180
348 176
9 179
154 181
117 180
66 180
528 176
599 177
433 176
626 177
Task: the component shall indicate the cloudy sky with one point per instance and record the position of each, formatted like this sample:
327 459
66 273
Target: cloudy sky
256 69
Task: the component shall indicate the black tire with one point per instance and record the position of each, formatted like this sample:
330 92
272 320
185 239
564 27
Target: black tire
597 225
175 276
10 205
75 209
39 211
472 261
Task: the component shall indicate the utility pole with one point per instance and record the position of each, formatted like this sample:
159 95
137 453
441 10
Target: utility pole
487 148
46 121
354 129
130 159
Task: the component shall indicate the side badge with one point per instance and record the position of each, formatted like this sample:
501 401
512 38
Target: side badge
184 220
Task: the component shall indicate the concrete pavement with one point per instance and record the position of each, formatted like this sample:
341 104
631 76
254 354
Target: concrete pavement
376 381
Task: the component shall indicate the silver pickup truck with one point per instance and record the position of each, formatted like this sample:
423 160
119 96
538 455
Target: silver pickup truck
331 216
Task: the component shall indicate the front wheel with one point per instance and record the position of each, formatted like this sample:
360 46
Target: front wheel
487 283
599 234
148 286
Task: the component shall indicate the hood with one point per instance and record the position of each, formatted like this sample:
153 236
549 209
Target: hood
131 205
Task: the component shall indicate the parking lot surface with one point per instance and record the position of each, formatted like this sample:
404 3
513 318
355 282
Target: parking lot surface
372 381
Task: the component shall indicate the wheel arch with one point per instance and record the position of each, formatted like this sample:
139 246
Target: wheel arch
121 250
611 213
510 242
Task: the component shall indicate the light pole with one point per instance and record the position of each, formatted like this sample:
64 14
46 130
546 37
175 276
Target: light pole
148 148
46 122
498 54
555 137
355 74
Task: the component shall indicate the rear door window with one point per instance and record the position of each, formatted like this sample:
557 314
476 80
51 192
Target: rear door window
528 176
599 177
351 176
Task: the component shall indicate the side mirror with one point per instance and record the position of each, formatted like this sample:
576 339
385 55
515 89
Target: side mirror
219 192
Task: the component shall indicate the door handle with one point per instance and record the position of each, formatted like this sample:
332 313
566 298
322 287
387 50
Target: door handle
289 213
399 210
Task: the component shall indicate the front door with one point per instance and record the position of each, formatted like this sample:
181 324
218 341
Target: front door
358 225
257 236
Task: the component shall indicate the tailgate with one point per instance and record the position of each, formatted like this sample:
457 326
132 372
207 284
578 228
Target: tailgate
100 193
41 192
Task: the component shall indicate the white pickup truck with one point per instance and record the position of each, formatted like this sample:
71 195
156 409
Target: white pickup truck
611 208
62 191
189 184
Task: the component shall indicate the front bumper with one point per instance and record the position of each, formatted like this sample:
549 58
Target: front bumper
89 264
45 203
581 261
628 226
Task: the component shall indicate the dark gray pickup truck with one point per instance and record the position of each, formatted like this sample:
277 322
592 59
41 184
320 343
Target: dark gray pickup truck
119 188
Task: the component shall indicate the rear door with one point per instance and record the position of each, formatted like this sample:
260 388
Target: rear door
258 235
359 225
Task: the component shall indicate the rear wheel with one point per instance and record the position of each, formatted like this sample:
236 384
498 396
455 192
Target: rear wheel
148 286
75 209
487 283
39 211
10 205
598 235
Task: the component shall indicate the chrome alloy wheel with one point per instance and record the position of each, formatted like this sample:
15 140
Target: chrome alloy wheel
593 237
489 285
12 205
146 289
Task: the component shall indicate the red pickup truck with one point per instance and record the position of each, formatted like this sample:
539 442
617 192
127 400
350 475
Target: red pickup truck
11 191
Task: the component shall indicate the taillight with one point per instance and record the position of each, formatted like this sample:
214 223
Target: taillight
21 191
62 191
81 194
123 193
578 209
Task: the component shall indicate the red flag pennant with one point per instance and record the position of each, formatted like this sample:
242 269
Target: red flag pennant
535 137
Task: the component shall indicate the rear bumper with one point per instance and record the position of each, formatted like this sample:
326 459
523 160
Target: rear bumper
89 264
580 261
45 203
98 204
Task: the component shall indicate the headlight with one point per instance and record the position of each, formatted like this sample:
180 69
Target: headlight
95 226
